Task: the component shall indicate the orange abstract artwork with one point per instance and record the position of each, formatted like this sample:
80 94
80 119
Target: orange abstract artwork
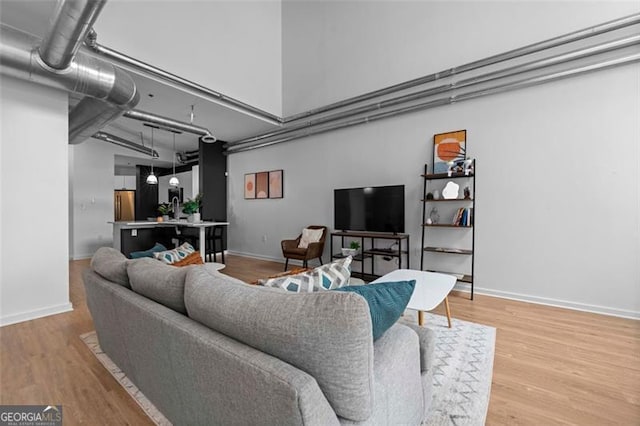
448 147
275 184
250 186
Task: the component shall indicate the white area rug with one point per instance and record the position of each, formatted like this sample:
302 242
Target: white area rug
462 375
463 370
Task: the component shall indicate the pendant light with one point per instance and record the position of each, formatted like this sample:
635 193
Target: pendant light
174 180
151 179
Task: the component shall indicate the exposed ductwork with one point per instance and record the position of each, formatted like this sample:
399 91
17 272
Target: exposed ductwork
171 124
70 24
109 90
116 140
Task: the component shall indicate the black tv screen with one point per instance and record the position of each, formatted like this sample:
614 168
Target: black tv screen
372 209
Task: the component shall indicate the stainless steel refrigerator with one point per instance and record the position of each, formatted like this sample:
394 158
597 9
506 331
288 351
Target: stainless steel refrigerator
124 204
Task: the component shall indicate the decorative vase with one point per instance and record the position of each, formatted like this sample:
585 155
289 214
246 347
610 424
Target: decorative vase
349 252
194 218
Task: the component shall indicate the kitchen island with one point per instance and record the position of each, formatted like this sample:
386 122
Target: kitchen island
124 232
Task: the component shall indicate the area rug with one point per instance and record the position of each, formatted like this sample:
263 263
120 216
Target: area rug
462 376
463 369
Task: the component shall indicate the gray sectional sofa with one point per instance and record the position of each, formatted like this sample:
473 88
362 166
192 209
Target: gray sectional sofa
208 349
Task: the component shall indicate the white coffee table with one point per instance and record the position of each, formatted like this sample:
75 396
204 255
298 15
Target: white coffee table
430 290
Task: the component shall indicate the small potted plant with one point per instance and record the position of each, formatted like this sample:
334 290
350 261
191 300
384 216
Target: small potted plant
163 210
352 250
191 207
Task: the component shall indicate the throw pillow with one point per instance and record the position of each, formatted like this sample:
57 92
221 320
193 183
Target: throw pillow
192 259
171 256
387 301
310 236
325 277
147 253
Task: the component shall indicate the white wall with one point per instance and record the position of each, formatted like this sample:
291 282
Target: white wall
233 47
186 183
34 277
566 231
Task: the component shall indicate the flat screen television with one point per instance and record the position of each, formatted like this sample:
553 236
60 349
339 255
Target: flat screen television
371 209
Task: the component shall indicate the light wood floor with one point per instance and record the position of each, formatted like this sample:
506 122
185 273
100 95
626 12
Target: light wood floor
552 366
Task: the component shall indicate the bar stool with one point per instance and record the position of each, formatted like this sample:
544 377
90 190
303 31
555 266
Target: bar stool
213 236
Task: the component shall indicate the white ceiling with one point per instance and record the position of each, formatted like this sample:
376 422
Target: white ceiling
156 96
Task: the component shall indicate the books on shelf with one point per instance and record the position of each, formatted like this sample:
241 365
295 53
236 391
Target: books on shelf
463 217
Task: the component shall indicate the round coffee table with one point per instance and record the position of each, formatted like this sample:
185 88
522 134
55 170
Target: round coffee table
431 289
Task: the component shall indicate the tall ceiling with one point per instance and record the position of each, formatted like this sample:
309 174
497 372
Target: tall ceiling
158 97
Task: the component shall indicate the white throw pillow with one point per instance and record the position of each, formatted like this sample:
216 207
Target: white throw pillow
309 236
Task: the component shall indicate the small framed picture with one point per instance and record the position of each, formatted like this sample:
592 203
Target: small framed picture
250 186
275 184
262 185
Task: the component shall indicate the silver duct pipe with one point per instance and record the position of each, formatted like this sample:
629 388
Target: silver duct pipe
128 61
116 140
520 84
169 123
70 24
86 74
188 156
477 80
516 53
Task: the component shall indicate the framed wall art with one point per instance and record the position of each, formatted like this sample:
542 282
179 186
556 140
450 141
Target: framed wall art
250 186
450 146
275 184
262 185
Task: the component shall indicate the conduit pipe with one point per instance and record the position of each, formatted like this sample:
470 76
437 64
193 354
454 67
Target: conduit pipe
488 77
512 54
116 140
137 65
520 84
169 123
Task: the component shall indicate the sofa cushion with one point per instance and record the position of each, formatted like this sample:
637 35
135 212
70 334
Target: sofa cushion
387 301
326 334
192 259
147 253
159 282
324 277
111 265
174 255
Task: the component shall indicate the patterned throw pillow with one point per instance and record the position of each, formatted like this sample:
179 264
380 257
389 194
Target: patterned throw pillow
193 259
172 256
325 277
310 236
387 301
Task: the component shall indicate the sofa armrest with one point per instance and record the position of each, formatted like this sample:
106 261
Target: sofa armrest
427 339
289 244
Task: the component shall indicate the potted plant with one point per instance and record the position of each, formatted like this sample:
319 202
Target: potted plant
352 250
163 210
191 207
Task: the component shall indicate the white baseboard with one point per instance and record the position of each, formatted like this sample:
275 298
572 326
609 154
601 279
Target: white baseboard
81 256
558 303
38 313
269 258
576 306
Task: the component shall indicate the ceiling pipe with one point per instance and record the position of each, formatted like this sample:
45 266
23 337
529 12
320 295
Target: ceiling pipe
139 66
171 124
70 24
113 89
613 25
499 88
116 140
476 80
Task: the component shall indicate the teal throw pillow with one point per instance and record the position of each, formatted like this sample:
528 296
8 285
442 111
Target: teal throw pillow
387 301
147 253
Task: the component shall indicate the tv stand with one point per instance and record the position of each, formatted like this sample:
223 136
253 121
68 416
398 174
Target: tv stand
368 250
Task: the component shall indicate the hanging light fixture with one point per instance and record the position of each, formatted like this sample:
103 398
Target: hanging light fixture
151 179
174 180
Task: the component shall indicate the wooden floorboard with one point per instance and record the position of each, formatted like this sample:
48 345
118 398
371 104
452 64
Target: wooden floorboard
552 366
